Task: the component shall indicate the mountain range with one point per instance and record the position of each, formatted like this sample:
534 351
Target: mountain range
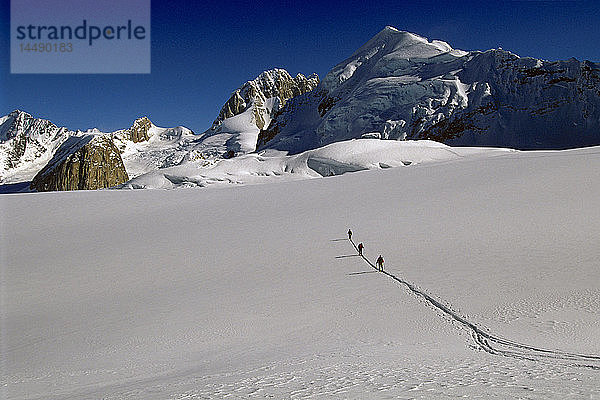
401 86
33 149
398 86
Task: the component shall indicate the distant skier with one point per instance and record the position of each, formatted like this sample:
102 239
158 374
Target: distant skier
360 248
349 234
380 263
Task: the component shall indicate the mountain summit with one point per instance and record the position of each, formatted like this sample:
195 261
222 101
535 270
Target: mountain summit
251 107
400 85
26 145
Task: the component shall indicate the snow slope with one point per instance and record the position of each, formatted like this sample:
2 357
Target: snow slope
26 145
251 108
165 147
334 159
254 292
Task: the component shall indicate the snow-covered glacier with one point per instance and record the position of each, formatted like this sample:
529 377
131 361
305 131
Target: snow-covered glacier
398 86
403 86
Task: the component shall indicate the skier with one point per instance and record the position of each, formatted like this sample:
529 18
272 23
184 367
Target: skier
349 234
360 248
380 263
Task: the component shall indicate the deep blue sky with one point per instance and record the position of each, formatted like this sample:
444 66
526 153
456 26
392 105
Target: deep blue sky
203 51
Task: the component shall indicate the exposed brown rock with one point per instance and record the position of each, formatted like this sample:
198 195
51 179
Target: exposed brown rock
273 83
139 130
82 163
265 136
327 104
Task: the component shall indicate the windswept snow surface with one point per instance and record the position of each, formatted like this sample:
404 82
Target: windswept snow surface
334 159
165 147
254 291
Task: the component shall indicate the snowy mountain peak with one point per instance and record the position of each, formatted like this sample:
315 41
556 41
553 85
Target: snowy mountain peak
18 113
400 85
392 40
26 144
390 33
388 53
251 107
273 84
16 121
139 130
14 114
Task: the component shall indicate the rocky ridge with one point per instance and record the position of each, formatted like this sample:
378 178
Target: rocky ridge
251 107
27 141
82 163
27 144
139 130
276 84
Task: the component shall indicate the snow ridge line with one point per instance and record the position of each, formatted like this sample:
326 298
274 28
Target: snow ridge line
484 339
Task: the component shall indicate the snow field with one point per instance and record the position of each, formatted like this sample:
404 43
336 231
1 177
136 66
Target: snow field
334 159
248 292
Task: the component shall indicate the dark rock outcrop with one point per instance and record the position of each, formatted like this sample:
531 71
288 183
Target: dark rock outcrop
82 163
139 130
251 108
275 83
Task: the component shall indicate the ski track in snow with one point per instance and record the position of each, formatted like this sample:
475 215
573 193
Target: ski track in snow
493 344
